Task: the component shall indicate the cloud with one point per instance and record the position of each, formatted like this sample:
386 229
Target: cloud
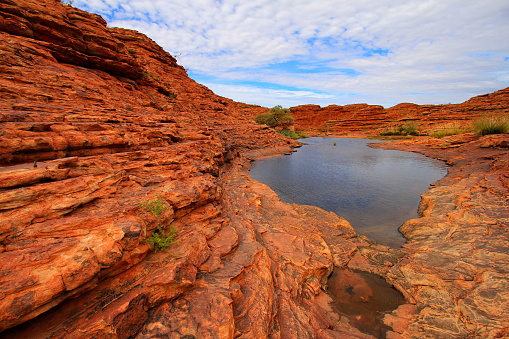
271 96
382 52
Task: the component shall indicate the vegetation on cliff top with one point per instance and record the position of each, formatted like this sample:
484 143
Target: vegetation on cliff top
410 128
491 125
278 116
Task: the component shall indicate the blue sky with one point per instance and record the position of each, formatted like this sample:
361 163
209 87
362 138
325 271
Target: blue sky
294 52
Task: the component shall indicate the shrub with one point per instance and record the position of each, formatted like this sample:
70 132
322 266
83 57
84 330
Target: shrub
284 120
279 111
293 134
278 116
159 240
408 129
491 125
266 119
156 206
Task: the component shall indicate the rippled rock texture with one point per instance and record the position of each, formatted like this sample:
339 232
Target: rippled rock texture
97 122
455 264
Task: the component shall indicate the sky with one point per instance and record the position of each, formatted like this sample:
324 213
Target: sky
295 52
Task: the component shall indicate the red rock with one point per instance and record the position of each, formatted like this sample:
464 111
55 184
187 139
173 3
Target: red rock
454 257
372 119
112 121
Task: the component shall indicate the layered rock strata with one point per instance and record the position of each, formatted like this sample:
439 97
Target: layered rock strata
97 122
372 119
455 260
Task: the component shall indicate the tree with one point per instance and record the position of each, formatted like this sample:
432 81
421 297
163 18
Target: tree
278 116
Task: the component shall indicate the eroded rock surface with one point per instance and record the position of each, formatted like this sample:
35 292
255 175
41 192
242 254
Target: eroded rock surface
364 119
455 260
96 122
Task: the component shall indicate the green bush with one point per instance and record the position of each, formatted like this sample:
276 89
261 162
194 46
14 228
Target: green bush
159 240
156 206
266 119
278 116
408 129
293 134
285 120
491 125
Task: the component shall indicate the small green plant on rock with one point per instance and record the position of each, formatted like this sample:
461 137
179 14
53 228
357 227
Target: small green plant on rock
293 134
147 75
491 125
156 206
159 240
408 129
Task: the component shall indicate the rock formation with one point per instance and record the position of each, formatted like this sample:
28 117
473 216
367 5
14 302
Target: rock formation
455 258
372 119
96 123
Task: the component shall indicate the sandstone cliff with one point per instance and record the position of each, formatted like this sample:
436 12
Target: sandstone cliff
95 122
372 119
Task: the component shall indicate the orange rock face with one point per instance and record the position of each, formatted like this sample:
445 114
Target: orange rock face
455 258
98 123
372 119
95 124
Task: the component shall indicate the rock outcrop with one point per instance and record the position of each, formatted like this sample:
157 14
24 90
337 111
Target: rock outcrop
95 124
98 124
372 119
455 260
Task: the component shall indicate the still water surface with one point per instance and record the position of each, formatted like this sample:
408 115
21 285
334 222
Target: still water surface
376 190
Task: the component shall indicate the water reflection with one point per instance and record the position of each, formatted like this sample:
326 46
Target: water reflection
364 298
376 190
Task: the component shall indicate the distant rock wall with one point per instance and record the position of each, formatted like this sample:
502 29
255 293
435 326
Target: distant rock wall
371 119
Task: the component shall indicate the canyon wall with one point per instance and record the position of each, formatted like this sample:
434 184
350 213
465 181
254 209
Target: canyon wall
373 119
97 123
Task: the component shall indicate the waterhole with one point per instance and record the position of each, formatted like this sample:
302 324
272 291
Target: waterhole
376 190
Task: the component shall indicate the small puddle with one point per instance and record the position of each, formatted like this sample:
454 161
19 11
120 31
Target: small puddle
364 298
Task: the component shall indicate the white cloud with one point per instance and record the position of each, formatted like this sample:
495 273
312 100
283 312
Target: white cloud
447 50
272 97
